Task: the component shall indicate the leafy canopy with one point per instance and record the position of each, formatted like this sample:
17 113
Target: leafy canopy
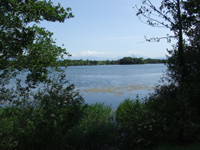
182 18
23 44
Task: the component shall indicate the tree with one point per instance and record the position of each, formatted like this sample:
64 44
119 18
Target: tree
25 46
170 15
191 17
126 60
193 46
44 122
177 103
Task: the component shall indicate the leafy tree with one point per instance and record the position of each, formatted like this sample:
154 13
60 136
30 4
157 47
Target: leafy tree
170 15
140 60
107 62
23 44
87 62
44 121
126 60
192 54
191 16
129 60
177 103
181 17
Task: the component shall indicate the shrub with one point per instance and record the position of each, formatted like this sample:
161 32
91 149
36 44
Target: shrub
45 122
167 116
180 121
137 125
95 129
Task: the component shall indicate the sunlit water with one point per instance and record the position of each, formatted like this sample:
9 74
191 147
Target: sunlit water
111 84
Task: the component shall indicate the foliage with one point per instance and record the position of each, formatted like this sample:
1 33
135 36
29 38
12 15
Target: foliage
30 47
24 46
43 120
175 16
188 91
129 60
177 103
95 129
192 53
194 146
152 61
165 117
54 124
180 119
43 123
57 118
125 60
1 110
137 125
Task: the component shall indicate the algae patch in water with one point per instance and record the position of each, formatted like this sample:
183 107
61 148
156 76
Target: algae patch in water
118 90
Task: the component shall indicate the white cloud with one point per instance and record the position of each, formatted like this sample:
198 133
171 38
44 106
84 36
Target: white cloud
88 53
105 55
91 53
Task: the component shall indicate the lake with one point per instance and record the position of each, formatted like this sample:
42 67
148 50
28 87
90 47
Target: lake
111 84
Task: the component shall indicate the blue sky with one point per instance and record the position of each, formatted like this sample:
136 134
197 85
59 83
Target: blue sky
106 29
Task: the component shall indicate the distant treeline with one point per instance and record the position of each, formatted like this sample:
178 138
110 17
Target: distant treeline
125 60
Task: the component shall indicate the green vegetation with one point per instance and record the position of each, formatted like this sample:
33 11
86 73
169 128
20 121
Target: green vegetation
125 60
43 123
95 129
56 117
1 110
194 146
70 125
30 47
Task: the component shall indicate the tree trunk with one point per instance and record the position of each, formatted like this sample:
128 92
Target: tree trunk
181 59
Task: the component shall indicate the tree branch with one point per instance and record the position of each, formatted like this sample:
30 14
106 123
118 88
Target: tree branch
164 16
156 39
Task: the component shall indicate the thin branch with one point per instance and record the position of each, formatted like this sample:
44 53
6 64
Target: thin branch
164 16
151 25
165 25
174 1
156 39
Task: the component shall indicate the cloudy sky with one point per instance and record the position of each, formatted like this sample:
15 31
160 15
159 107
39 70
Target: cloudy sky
107 29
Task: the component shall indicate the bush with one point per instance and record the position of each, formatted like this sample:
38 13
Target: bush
95 130
45 122
137 125
179 118
167 116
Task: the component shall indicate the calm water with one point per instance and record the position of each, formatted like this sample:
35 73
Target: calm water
111 84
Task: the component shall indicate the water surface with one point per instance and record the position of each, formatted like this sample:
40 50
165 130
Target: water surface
111 84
